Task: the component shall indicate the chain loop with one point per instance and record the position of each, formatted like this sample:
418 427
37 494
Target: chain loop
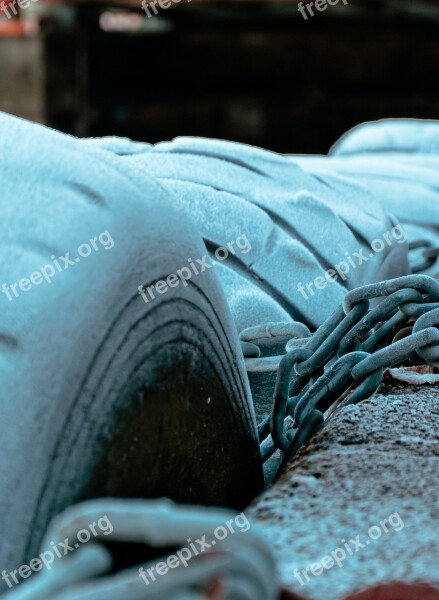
281 395
428 353
344 360
423 283
328 387
429 255
385 309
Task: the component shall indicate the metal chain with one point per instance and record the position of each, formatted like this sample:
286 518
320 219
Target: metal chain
243 566
430 255
344 360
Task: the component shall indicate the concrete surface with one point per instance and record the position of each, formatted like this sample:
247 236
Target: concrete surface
373 460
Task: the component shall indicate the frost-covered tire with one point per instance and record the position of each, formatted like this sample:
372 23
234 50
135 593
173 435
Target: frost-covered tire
103 394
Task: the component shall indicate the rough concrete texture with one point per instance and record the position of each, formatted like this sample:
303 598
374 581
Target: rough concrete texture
371 461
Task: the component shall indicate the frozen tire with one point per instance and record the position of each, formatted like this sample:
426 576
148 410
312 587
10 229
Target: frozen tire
102 393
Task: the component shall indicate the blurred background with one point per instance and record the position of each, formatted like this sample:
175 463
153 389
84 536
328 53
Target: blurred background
254 72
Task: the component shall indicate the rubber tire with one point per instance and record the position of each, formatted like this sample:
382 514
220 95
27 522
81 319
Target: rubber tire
102 393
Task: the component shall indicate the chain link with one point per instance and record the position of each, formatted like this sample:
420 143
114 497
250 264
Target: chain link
344 360
243 566
430 255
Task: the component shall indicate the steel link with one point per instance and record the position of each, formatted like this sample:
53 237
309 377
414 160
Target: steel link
297 332
414 310
243 567
427 320
303 434
272 330
417 244
297 386
423 283
250 350
329 387
396 353
281 395
313 392
384 310
429 254
367 388
429 353
266 364
296 343
381 334
264 428
328 347
325 329
268 447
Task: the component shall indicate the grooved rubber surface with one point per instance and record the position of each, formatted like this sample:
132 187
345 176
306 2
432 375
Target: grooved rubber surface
102 393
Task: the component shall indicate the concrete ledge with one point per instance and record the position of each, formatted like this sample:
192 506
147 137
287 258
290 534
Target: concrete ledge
374 467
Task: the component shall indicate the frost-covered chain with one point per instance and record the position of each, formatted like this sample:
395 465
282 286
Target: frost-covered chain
344 360
241 567
429 255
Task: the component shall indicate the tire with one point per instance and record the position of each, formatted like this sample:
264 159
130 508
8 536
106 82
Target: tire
104 394
282 205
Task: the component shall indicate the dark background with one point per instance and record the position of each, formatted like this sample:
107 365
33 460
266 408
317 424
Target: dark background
249 72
